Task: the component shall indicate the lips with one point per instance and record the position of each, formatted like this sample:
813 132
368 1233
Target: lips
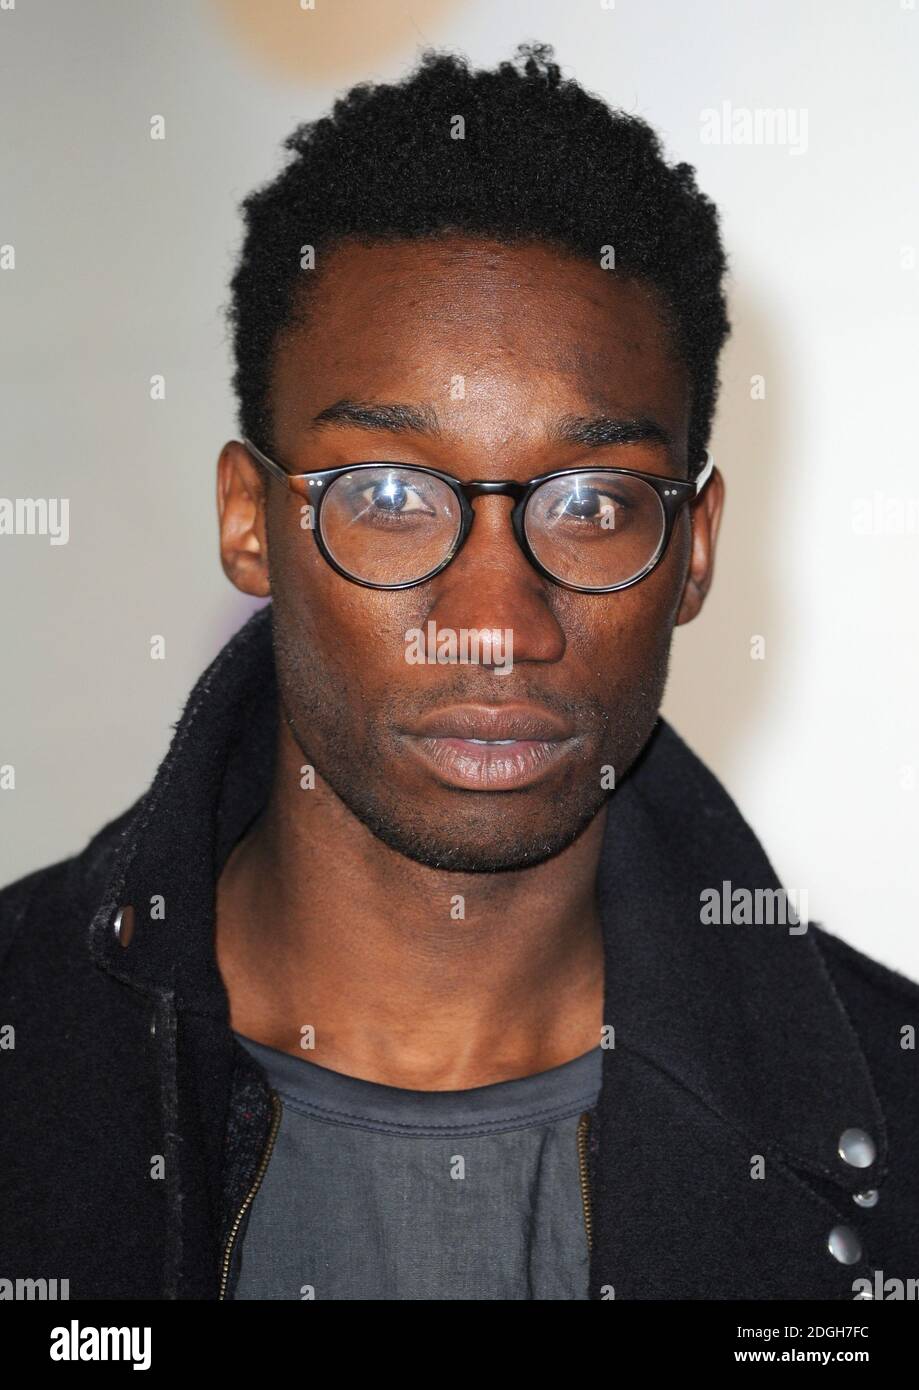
493 723
491 748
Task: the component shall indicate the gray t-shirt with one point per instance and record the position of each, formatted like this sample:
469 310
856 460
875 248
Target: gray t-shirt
376 1192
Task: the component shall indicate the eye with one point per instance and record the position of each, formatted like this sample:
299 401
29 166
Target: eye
586 503
390 494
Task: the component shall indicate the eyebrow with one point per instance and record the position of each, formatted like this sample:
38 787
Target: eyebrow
590 431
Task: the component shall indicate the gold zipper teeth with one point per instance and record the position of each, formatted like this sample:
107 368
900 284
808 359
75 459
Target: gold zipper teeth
584 1176
250 1195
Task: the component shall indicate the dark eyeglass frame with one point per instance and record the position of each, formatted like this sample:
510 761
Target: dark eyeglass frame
673 494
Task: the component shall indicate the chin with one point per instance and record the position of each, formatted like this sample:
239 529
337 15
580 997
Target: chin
494 843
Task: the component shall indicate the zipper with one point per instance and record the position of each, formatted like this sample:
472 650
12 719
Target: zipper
584 1177
250 1195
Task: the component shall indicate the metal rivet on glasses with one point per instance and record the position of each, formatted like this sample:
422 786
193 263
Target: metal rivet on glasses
866 1199
857 1148
844 1245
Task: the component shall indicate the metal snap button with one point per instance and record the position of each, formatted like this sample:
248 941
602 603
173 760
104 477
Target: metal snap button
124 924
857 1148
866 1199
844 1245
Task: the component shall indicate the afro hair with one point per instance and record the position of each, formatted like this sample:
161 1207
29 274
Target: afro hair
540 158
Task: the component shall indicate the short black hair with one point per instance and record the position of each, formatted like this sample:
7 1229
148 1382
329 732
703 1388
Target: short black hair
541 159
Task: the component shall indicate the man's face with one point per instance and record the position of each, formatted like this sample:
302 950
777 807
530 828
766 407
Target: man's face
499 343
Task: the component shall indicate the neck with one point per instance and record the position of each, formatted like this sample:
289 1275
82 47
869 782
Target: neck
406 975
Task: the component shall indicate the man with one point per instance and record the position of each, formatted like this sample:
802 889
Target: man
433 965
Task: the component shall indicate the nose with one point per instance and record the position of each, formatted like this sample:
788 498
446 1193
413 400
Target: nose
491 585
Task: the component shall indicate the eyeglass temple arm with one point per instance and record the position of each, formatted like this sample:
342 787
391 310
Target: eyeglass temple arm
706 473
273 468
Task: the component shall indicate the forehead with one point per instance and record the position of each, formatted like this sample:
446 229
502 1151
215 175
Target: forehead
525 329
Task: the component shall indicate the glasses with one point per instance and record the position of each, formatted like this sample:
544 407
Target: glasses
394 525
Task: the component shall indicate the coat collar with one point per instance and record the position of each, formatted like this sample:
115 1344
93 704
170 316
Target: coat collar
745 1017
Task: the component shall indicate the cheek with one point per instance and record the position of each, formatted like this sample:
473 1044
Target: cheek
618 638
656 600
355 631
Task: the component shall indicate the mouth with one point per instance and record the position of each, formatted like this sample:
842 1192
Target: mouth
491 748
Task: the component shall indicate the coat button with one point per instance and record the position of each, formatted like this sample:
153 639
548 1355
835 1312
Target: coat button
124 924
844 1245
857 1148
869 1198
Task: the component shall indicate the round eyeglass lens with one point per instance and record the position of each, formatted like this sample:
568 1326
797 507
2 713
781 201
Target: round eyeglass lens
389 525
595 530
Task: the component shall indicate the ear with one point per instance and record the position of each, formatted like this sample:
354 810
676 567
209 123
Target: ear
241 499
705 515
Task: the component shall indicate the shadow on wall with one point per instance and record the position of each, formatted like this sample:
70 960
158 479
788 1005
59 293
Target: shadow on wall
234 611
717 690
347 40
